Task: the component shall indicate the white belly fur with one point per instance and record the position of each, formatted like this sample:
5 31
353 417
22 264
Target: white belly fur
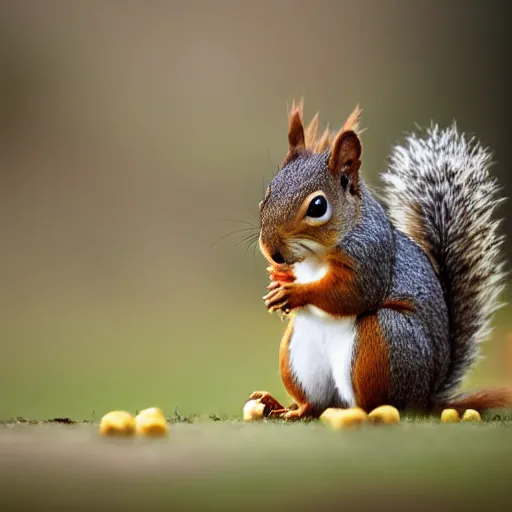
322 346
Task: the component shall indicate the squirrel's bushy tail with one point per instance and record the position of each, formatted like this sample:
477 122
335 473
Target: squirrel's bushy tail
440 193
481 399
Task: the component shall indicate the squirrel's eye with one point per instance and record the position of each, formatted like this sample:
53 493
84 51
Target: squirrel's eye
319 211
317 207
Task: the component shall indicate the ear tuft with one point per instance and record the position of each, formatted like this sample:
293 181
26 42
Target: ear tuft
301 138
312 132
324 141
353 121
296 138
346 156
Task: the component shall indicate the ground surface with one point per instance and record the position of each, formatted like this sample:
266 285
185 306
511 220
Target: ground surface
229 465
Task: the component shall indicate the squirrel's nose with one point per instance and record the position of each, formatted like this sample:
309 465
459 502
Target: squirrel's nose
277 257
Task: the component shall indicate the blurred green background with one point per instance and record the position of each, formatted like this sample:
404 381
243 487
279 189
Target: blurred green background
131 131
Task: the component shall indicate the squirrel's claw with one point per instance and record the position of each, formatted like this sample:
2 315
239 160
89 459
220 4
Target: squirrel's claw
267 399
297 414
277 292
277 298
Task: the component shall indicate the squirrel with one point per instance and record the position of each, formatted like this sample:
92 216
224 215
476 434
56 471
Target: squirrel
387 299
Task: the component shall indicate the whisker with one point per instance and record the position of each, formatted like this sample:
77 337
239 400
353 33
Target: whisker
254 244
308 244
254 250
251 213
241 222
247 249
248 238
251 245
307 248
243 230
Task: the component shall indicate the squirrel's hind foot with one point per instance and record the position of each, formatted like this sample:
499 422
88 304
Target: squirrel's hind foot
301 412
273 409
270 403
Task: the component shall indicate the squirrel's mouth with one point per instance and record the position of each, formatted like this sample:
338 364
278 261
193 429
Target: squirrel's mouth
302 248
292 251
279 254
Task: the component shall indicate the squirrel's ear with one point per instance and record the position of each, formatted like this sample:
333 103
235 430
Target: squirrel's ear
296 137
346 156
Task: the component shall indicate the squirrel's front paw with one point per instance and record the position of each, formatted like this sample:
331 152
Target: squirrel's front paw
281 297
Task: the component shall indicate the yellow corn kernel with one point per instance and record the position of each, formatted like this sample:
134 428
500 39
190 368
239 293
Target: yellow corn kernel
117 423
151 425
338 419
450 416
254 410
327 416
385 414
152 411
471 415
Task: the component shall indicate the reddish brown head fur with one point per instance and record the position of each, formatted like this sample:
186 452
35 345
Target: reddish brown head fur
302 138
310 170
